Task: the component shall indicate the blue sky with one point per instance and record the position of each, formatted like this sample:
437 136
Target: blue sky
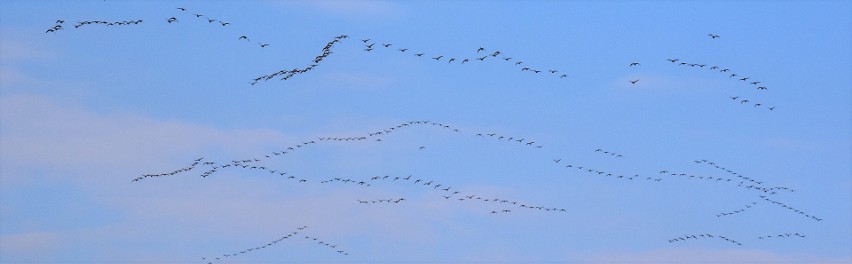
83 111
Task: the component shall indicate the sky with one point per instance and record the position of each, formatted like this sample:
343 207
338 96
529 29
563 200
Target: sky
676 166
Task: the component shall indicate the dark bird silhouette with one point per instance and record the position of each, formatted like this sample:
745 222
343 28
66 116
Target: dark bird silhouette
181 9
244 37
634 81
224 23
171 19
634 64
263 45
480 49
713 36
673 60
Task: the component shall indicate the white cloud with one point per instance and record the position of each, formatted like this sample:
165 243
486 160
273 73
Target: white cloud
41 132
28 243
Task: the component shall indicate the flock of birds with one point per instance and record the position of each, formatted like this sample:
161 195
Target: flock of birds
211 260
495 205
326 51
481 55
733 76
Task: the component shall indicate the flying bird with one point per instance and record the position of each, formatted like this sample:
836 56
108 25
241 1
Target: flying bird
634 64
633 81
713 36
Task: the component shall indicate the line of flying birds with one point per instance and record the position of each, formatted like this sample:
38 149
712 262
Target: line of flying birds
482 55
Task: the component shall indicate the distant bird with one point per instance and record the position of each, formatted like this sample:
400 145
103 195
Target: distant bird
563 76
210 20
224 23
772 108
714 36
171 19
634 64
181 9
418 54
480 49
244 37
673 60
198 15
365 40
60 21
387 45
465 60
403 50
734 97
438 58
263 45
634 81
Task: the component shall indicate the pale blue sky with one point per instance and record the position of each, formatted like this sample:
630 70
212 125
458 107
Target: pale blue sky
84 111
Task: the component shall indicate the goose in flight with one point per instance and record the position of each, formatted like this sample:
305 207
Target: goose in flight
713 36
634 81
171 19
634 64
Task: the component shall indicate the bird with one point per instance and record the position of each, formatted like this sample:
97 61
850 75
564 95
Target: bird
224 23
673 60
387 45
198 15
634 64
480 49
563 76
403 50
263 45
419 54
171 19
713 36
244 37
438 58
634 81
210 20
181 9
365 40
